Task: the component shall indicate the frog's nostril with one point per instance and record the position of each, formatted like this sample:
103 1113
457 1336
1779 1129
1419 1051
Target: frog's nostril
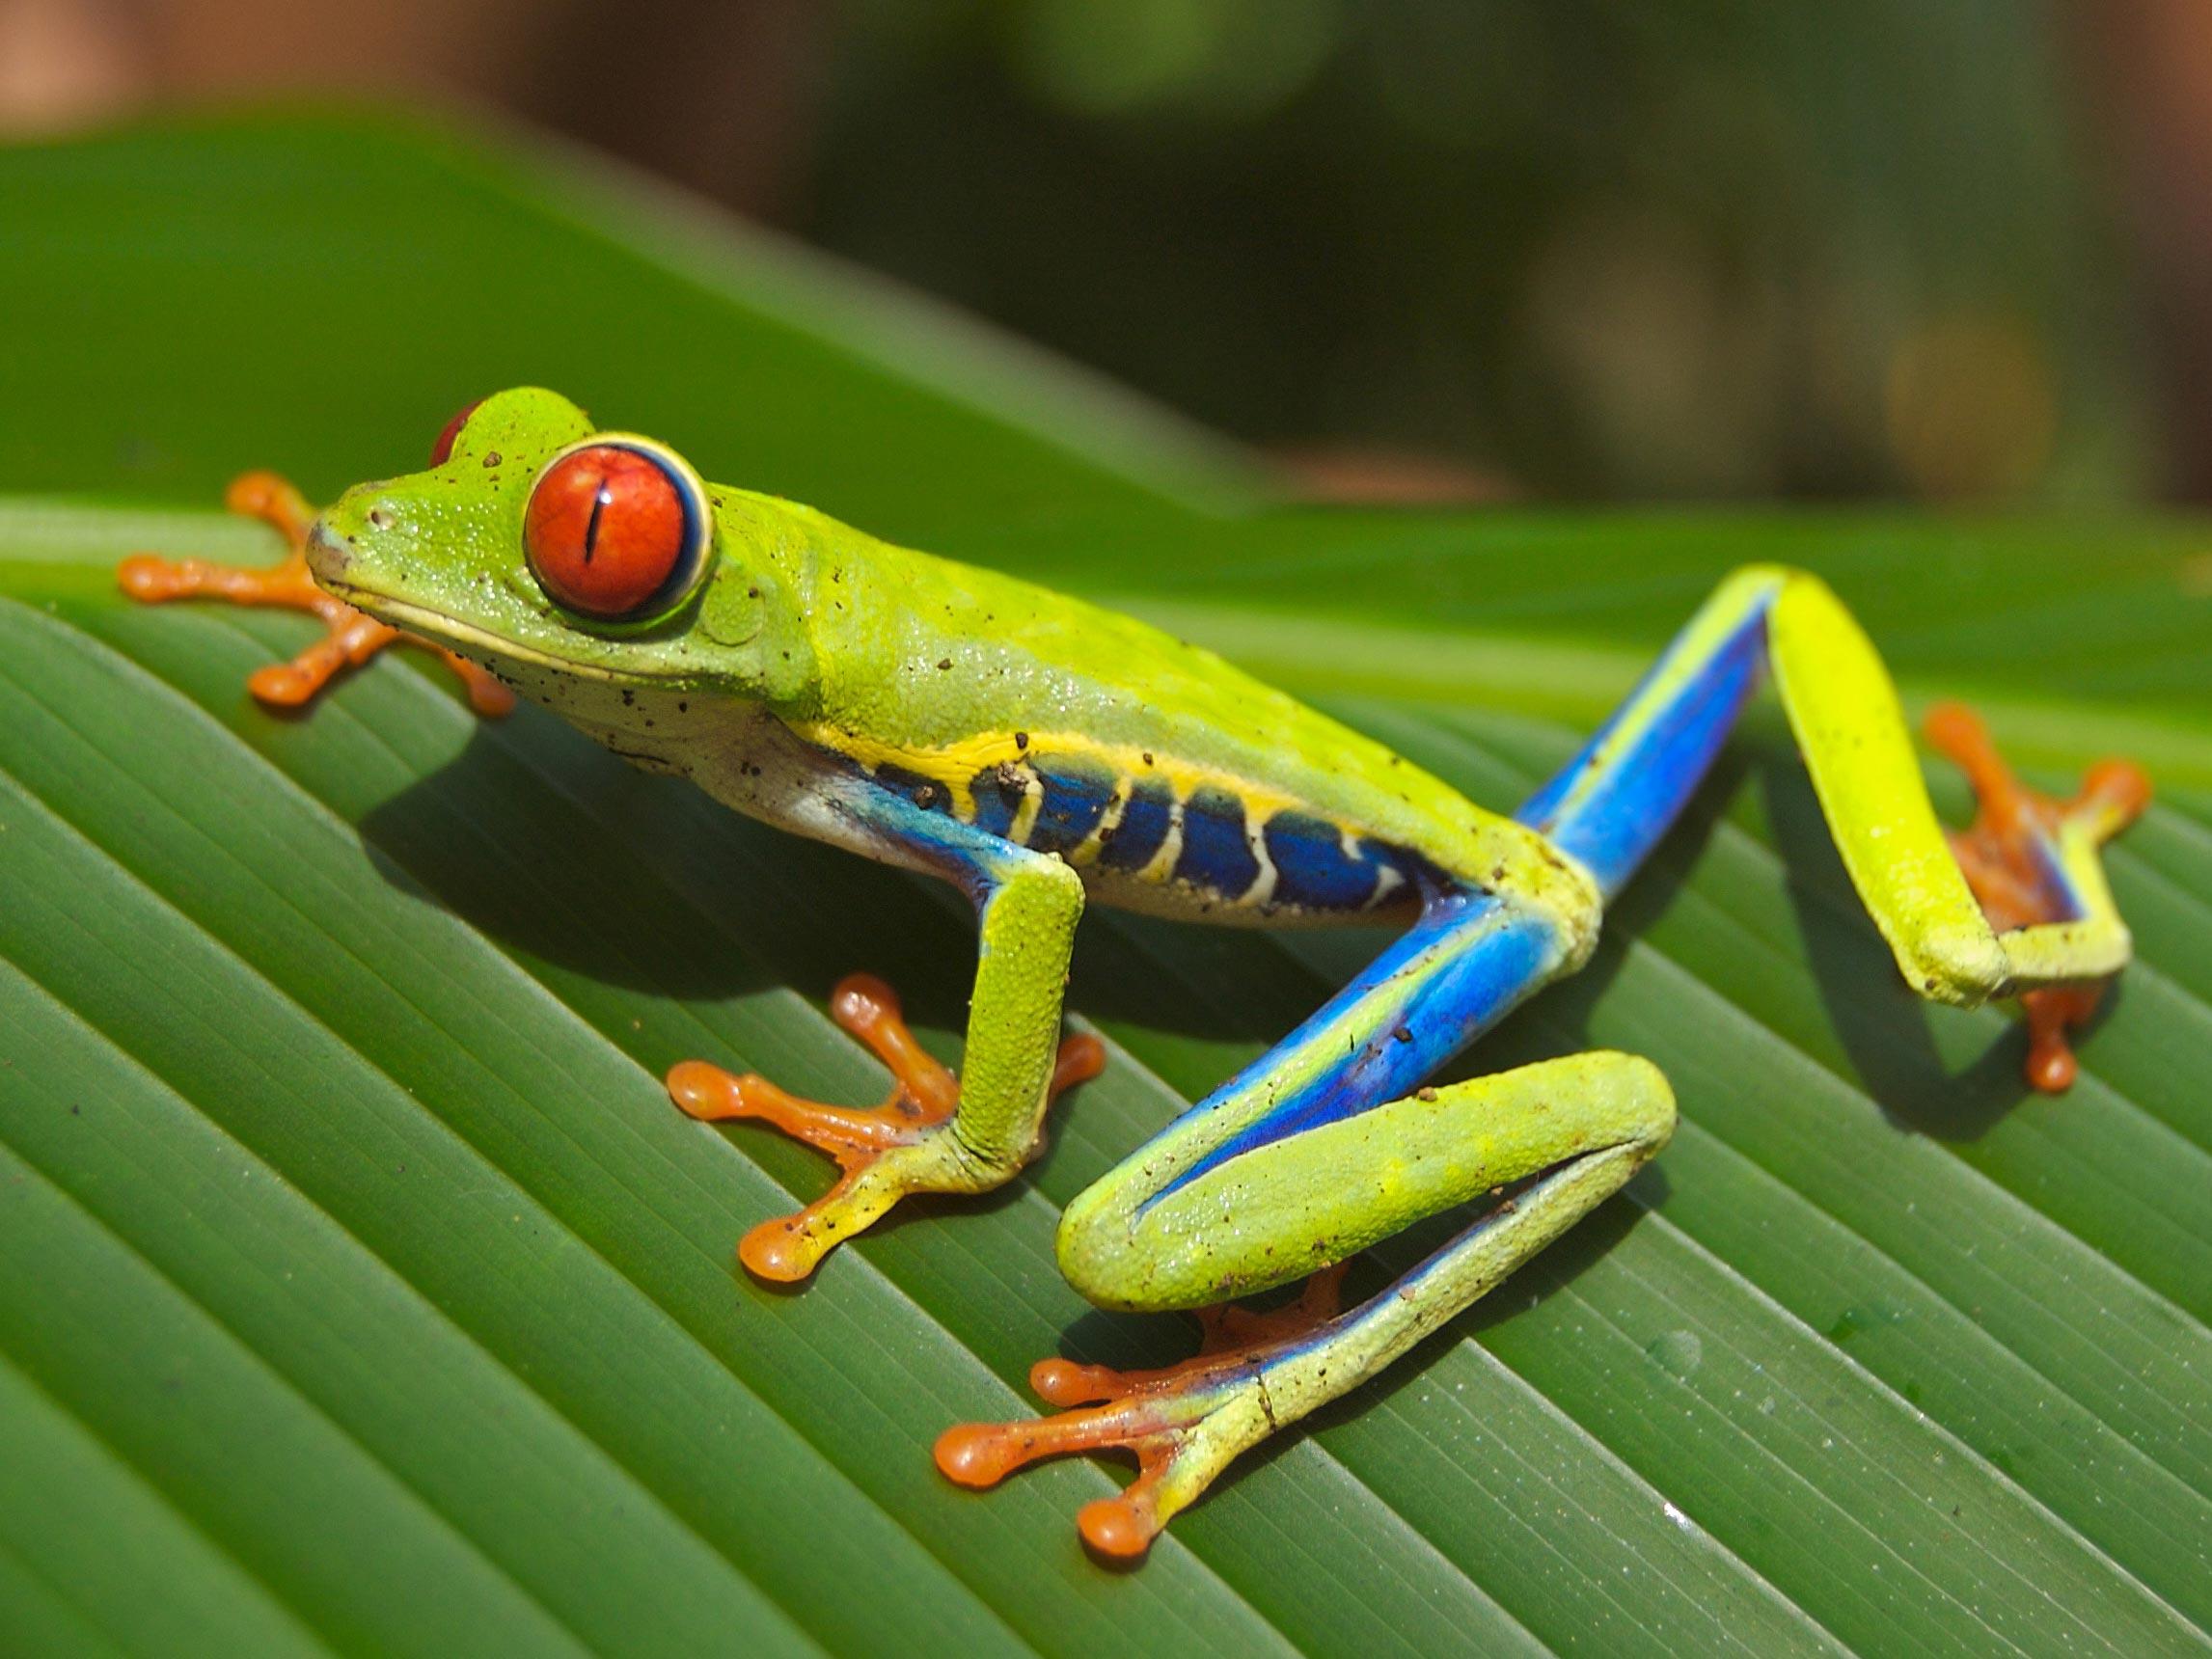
379 519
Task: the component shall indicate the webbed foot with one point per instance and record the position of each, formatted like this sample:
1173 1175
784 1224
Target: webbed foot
352 637
1186 1422
906 1144
2011 857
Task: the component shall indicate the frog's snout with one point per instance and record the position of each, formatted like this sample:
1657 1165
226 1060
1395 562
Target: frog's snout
326 551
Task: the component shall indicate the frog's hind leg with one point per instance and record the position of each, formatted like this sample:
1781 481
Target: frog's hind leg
1948 945
2017 907
352 637
1292 1164
1322 1146
1574 1130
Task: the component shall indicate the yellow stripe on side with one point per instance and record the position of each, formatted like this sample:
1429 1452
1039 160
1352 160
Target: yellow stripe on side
956 765
1170 854
954 768
1087 851
1024 820
1514 860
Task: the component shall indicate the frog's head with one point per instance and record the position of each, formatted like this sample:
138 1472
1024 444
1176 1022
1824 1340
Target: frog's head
561 556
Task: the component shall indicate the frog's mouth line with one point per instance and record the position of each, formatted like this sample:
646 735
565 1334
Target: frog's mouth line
480 646
329 558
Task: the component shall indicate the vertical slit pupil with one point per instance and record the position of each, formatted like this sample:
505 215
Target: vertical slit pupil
601 498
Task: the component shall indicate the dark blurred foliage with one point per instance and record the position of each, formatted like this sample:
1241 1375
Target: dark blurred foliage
1583 247
1563 249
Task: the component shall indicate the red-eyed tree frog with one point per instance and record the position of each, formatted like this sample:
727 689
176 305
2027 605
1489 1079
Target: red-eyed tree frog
1041 754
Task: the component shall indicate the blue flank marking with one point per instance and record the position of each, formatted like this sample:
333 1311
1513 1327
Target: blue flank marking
1312 868
995 802
1216 856
1143 826
1640 793
1076 797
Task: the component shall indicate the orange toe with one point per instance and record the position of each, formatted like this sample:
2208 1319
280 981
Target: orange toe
351 638
870 1010
2009 859
980 1455
1123 1526
1160 1415
785 1251
925 1093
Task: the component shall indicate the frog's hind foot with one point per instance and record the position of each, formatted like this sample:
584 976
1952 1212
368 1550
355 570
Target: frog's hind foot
351 638
1185 1422
903 1146
2013 856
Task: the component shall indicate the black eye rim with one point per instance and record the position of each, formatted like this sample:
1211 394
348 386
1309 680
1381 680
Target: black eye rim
686 578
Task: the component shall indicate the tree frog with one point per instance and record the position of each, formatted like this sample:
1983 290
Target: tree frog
1042 753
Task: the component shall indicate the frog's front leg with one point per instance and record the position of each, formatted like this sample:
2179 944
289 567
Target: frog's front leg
937 1132
351 638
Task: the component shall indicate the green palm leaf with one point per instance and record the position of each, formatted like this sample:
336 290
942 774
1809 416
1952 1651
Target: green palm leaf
368 1294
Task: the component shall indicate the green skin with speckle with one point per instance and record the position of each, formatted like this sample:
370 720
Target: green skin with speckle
969 724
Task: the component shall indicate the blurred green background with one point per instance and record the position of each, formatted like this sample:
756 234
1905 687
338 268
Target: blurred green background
1416 249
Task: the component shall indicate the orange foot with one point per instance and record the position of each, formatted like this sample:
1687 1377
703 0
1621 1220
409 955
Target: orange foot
353 638
1185 1421
2010 862
886 1153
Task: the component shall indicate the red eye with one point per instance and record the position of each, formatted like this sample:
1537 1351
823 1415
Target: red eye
608 530
442 450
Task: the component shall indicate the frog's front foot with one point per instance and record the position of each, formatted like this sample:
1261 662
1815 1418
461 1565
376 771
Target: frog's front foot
2013 858
352 637
906 1144
1185 1422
